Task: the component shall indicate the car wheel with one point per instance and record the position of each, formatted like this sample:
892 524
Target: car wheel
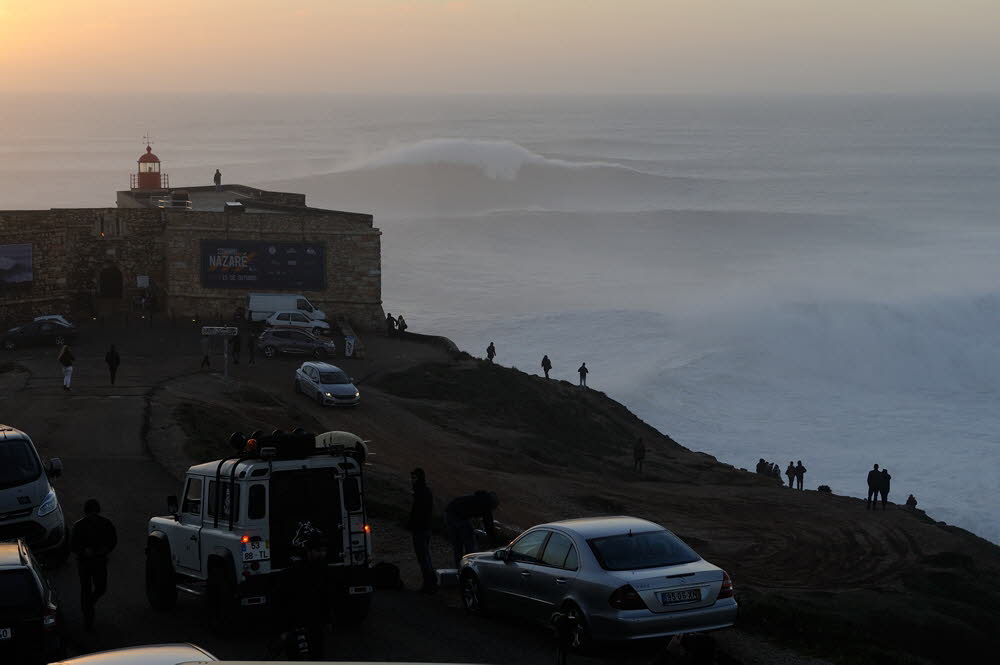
472 595
581 635
270 351
319 354
161 590
8 345
60 340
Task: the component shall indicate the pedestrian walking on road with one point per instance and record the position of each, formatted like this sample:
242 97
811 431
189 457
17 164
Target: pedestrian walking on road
401 325
66 359
546 365
235 348
92 539
583 374
800 474
217 178
638 455
420 524
790 473
206 348
874 478
251 347
491 352
883 486
390 325
113 360
458 516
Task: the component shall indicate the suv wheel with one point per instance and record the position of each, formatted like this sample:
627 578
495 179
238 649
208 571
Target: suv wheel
270 351
161 589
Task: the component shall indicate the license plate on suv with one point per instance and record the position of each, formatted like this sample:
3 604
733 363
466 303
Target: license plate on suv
256 550
686 596
6 634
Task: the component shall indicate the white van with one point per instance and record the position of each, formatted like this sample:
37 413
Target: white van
262 305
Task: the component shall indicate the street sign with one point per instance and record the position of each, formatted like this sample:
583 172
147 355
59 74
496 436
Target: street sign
220 331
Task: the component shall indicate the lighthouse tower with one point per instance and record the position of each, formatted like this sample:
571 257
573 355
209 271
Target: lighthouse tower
149 176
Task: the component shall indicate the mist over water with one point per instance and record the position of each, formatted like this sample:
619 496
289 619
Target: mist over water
788 278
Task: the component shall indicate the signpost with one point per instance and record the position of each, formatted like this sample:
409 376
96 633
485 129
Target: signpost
225 332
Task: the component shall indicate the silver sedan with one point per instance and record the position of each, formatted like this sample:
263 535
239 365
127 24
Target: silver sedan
620 578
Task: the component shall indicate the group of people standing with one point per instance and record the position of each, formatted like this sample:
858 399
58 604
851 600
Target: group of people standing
66 359
395 326
491 353
878 486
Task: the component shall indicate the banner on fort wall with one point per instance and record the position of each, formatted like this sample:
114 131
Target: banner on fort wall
255 264
15 264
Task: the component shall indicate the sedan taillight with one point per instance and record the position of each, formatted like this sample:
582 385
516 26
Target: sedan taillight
626 598
727 586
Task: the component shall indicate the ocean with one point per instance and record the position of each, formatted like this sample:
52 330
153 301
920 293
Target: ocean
793 278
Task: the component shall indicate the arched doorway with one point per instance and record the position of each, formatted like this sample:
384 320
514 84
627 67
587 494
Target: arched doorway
109 283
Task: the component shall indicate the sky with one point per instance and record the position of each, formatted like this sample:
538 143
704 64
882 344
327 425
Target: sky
500 46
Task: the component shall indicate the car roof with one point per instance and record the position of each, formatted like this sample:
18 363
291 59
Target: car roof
598 527
323 367
10 555
8 432
288 311
154 654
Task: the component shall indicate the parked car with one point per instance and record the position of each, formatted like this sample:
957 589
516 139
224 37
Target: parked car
54 317
29 506
274 341
262 305
618 578
30 616
50 332
297 320
154 654
327 384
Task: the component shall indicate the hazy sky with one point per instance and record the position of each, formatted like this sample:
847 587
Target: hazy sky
656 46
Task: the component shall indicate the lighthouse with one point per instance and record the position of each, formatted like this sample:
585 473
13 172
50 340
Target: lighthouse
149 176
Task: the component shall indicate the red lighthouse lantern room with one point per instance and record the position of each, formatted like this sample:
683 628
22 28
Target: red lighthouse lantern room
149 176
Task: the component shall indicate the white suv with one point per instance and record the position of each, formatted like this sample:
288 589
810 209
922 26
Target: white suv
29 507
288 319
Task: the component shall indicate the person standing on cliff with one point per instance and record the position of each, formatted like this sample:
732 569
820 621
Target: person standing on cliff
420 524
790 473
800 474
401 325
113 360
218 180
390 325
583 375
873 482
638 455
66 359
546 365
491 352
883 486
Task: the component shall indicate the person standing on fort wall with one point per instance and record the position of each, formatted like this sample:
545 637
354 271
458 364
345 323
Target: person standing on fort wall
66 359
218 180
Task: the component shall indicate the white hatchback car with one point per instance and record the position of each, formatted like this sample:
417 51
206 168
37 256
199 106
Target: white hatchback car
327 384
290 319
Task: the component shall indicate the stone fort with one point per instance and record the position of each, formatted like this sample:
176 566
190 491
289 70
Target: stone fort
192 252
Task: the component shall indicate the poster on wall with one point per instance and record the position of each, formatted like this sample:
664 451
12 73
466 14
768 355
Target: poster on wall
255 264
15 264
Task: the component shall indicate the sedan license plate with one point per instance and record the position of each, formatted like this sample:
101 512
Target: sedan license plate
6 633
256 550
686 596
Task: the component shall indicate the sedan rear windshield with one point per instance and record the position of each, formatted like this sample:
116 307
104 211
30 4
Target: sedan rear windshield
18 463
333 378
650 549
20 591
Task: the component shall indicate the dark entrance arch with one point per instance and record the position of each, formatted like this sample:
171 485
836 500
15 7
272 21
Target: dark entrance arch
109 283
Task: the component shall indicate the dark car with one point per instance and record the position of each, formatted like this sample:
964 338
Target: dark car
30 617
294 342
47 332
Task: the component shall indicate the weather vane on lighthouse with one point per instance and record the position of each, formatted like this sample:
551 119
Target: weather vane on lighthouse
148 138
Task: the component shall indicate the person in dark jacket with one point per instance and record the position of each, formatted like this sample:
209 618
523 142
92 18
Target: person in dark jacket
92 539
401 325
206 350
66 359
234 347
546 365
883 486
303 598
800 474
911 502
458 516
420 523
217 179
583 374
113 360
873 482
390 325
491 352
790 474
